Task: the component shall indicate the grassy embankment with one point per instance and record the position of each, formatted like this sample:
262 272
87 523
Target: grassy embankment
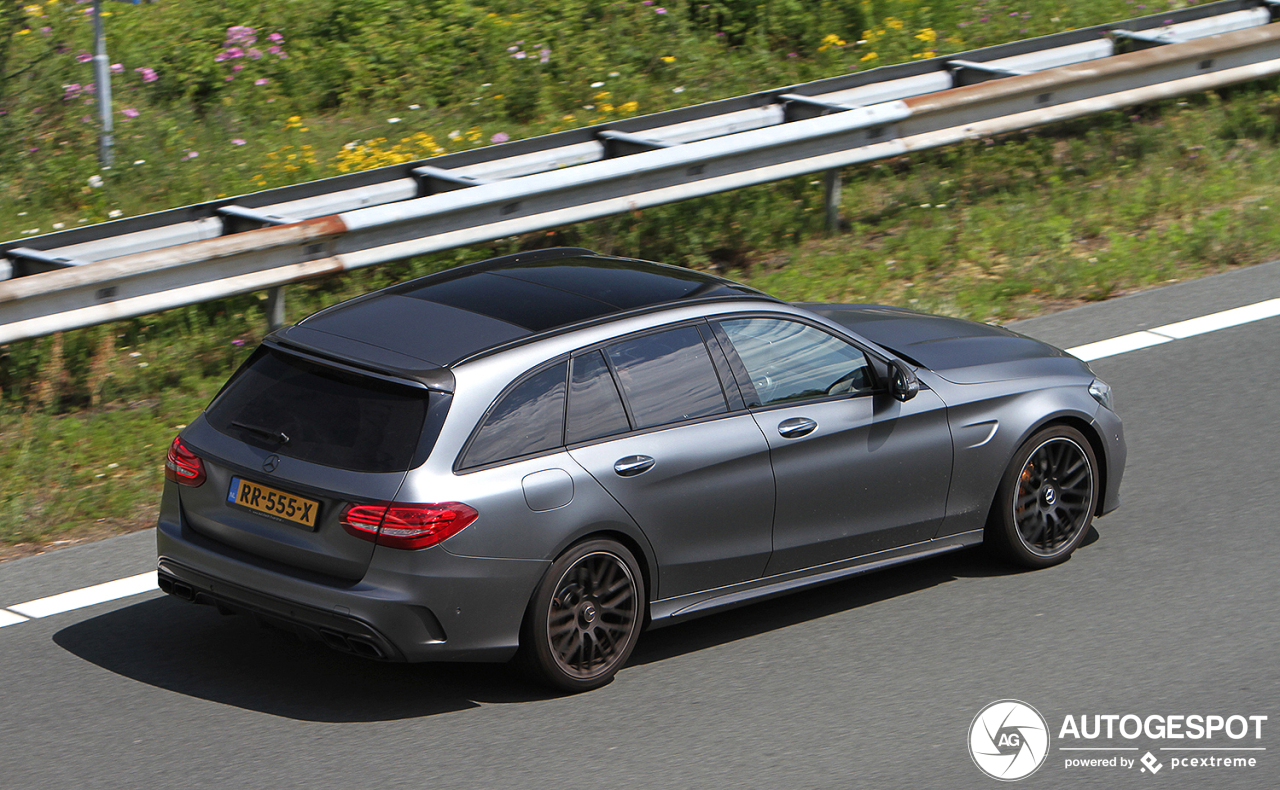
993 230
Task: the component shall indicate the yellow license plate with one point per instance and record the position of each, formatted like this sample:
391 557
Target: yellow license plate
273 502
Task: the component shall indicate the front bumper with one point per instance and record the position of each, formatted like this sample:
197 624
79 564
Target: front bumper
426 605
1107 424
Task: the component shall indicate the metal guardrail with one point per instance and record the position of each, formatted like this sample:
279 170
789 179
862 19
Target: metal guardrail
184 256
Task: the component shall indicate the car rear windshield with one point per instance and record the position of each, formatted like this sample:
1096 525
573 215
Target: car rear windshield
321 415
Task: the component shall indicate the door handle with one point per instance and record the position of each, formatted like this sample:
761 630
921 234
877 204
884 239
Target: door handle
796 427
633 465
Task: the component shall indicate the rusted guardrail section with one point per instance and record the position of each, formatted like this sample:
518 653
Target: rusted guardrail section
192 255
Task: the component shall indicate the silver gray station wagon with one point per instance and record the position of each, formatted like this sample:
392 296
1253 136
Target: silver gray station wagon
538 456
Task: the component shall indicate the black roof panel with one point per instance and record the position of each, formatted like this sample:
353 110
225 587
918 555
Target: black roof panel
429 331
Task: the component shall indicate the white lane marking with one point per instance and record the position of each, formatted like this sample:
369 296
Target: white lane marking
9 618
1117 345
1177 331
1215 321
88 596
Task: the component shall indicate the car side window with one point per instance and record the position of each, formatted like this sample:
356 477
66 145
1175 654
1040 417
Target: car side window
595 407
528 419
667 377
789 361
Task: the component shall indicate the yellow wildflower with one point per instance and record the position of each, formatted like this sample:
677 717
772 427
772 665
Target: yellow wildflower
668 59
830 41
869 56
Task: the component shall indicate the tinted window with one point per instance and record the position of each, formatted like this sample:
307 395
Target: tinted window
595 408
329 417
667 377
528 419
789 361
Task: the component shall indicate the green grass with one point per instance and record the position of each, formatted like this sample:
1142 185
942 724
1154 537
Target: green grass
992 230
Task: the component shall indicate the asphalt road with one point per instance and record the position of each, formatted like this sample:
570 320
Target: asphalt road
1172 608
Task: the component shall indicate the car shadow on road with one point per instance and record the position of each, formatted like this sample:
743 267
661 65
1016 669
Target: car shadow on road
193 650
814 603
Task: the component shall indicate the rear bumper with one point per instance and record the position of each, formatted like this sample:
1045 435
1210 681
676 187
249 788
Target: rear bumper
347 634
426 605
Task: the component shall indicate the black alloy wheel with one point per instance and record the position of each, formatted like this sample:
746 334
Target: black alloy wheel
585 617
1047 498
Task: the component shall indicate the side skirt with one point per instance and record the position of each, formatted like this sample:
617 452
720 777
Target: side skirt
684 607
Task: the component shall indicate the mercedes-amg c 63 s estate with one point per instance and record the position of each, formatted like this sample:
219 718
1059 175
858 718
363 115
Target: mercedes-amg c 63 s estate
540 455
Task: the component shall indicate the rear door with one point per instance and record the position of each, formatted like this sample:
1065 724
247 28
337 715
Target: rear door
857 472
287 444
650 419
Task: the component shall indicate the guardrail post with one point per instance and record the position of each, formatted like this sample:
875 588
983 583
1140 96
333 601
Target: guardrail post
275 308
831 199
102 70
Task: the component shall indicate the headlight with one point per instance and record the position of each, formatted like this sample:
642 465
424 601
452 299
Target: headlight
1101 392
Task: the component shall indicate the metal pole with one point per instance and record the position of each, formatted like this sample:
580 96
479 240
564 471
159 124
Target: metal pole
831 199
102 70
275 308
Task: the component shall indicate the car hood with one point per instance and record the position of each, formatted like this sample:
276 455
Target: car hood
962 352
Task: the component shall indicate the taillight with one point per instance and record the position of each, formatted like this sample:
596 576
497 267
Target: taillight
407 526
183 466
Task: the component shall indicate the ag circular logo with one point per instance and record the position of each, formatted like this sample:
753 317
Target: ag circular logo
1008 740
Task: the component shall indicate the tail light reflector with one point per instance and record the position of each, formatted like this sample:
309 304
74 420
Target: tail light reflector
183 466
400 525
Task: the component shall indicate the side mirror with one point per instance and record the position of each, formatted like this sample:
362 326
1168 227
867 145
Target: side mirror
903 384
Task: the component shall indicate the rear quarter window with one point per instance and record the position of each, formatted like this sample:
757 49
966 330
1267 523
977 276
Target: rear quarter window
321 415
528 419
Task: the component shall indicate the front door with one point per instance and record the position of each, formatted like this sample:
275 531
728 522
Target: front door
856 471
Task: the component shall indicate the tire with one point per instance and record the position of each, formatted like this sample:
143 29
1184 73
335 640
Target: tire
585 617
1046 499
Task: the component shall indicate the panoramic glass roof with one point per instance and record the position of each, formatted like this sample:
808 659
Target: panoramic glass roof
541 295
448 316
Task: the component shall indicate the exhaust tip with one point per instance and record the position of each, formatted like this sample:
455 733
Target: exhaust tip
176 588
365 648
355 645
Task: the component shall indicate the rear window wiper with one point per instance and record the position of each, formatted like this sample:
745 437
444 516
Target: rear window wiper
279 437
